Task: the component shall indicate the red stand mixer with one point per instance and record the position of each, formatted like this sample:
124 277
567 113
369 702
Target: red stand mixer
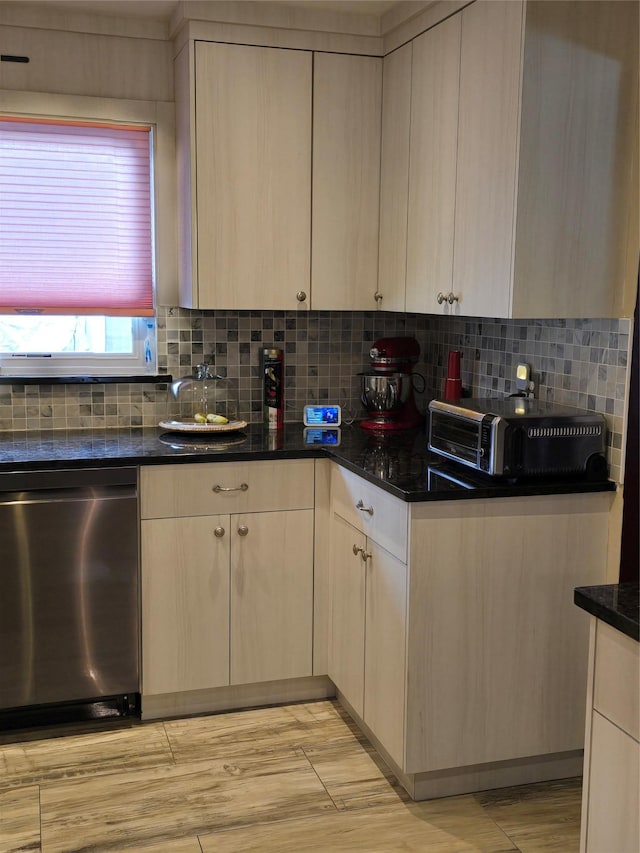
387 390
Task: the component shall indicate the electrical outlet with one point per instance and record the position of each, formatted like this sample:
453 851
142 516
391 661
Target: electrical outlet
523 379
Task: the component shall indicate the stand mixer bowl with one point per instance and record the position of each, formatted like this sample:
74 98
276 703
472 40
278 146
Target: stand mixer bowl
385 392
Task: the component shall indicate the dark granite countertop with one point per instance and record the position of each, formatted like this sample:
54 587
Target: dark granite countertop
616 604
399 463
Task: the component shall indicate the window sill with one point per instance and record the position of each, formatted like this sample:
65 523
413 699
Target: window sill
83 379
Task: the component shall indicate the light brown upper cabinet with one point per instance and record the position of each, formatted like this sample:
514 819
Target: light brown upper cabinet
347 105
432 169
244 165
488 125
521 199
246 172
548 96
394 185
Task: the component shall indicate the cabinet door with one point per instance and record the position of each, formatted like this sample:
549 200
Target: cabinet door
578 142
432 171
614 790
385 646
347 106
346 646
271 596
185 604
253 144
490 76
394 178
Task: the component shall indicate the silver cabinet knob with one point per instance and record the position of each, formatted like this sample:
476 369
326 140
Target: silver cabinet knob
378 297
363 554
449 297
243 530
219 532
301 296
360 505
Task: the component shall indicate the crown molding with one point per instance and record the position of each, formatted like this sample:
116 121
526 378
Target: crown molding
42 16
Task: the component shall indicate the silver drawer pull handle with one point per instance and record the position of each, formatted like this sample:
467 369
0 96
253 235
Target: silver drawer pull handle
360 505
241 488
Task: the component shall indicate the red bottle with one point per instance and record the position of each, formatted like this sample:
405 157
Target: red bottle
453 382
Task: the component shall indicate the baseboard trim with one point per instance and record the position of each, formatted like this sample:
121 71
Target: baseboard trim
479 777
188 703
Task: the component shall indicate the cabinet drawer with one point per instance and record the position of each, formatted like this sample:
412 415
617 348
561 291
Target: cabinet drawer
617 678
171 491
381 516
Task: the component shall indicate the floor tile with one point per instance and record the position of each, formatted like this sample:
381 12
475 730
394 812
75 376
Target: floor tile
354 775
454 825
165 803
176 845
540 818
20 820
258 730
100 752
296 778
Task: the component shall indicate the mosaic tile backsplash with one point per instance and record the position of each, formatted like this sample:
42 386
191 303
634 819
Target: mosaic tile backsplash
580 363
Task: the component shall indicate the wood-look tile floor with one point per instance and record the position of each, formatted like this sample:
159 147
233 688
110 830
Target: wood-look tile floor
292 779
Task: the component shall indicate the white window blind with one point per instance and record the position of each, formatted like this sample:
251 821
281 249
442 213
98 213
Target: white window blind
75 218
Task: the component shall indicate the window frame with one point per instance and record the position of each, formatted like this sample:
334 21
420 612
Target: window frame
160 116
60 364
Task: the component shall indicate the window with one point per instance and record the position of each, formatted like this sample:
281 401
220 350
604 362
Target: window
76 248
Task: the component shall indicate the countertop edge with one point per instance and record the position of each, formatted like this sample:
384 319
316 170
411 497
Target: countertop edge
583 597
523 489
420 480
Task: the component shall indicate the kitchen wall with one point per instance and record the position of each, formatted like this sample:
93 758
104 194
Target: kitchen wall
577 362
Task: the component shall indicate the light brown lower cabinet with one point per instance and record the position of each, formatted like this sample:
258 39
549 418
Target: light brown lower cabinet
452 635
467 665
369 594
227 598
611 781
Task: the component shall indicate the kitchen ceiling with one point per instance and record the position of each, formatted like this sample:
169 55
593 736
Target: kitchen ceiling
163 9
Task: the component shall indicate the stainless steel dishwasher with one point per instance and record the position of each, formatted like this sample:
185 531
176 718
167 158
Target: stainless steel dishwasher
69 590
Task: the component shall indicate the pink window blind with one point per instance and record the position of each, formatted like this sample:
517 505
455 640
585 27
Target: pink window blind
75 219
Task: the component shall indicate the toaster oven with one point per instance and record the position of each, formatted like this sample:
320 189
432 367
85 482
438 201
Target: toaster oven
519 437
